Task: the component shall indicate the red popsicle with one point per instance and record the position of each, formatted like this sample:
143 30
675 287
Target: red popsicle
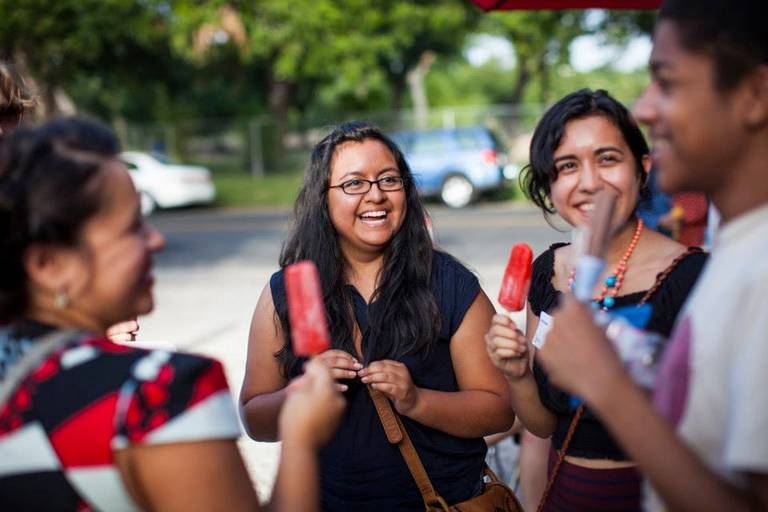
306 311
517 278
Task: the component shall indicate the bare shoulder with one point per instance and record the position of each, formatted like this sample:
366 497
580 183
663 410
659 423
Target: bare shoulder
660 250
562 265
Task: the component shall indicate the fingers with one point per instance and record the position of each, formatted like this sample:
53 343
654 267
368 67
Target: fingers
342 364
503 321
316 376
124 331
384 371
504 342
386 388
339 359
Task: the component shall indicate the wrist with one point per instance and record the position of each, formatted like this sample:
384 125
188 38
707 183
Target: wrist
606 387
514 378
299 438
412 409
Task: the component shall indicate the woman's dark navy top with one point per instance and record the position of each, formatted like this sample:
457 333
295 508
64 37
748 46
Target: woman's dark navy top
359 469
591 439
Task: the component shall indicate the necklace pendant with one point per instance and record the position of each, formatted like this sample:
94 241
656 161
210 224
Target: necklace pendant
609 302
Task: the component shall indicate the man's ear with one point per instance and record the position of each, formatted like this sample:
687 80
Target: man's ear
756 98
647 164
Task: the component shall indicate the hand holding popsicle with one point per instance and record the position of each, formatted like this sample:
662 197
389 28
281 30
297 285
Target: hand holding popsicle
312 409
590 264
507 347
506 344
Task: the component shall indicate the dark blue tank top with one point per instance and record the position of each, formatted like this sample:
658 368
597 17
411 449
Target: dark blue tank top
359 469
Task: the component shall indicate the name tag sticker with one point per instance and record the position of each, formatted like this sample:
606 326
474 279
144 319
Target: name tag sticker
545 323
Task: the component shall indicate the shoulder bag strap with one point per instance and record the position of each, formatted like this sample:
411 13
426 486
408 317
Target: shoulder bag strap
561 457
660 278
42 348
396 434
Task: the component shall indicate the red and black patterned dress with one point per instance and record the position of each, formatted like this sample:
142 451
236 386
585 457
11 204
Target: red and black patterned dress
62 425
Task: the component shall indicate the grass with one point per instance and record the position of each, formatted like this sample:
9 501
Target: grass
243 190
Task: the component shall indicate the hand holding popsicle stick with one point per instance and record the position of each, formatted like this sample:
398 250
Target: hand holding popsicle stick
590 264
506 344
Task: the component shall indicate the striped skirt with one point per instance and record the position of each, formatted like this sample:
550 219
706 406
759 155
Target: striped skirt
583 489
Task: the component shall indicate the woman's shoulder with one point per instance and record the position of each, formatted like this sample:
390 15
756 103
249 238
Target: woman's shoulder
276 286
544 263
673 285
446 266
454 287
277 277
685 268
542 294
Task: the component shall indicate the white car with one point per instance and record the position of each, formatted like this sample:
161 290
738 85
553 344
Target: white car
162 183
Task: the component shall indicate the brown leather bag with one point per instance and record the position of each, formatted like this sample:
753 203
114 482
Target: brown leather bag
496 497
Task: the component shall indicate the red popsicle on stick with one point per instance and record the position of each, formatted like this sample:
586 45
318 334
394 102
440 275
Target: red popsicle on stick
517 278
306 311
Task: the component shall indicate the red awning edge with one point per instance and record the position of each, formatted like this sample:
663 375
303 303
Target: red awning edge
490 5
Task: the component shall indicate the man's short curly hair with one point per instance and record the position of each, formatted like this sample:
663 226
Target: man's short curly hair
14 93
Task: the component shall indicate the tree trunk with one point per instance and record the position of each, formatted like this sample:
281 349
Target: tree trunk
279 106
418 89
523 78
396 88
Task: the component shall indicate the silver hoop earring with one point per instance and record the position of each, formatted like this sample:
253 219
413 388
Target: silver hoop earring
61 299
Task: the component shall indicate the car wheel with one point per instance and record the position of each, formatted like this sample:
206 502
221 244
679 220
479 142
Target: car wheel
457 191
148 204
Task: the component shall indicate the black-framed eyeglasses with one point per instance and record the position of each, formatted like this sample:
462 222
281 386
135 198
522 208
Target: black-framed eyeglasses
359 186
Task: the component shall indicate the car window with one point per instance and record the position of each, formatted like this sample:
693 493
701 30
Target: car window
163 158
427 142
130 166
466 139
401 140
495 141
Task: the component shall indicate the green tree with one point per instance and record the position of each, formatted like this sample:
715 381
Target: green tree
541 41
116 44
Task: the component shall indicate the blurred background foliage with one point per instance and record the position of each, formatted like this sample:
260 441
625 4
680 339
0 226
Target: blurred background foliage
240 84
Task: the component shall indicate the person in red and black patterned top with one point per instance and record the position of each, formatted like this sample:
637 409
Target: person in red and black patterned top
95 425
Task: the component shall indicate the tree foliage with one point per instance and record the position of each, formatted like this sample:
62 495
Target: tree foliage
169 59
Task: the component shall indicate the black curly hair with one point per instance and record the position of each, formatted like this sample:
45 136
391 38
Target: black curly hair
48 191
537 177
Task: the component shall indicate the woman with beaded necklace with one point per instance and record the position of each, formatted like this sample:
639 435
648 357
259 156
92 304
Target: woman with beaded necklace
586 143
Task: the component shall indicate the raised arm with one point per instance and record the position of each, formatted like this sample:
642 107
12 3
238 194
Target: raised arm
579 358
510 350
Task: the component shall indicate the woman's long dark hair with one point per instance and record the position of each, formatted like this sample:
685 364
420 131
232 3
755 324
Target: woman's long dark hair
403 316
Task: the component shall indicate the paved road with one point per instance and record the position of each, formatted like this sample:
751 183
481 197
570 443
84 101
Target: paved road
216 263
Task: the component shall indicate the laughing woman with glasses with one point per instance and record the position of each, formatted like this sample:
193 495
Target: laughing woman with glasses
406 319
